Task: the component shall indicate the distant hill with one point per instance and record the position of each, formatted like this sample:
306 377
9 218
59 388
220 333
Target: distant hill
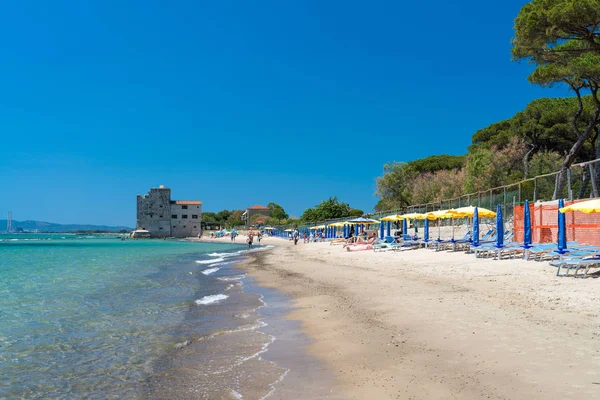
52 227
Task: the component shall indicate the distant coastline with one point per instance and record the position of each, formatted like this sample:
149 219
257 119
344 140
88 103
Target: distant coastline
51 227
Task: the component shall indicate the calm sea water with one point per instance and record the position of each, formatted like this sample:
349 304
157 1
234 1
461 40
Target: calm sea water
98 317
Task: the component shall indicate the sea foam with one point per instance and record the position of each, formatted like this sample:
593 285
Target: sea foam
215 298
231 278
214 260
210 271
235 253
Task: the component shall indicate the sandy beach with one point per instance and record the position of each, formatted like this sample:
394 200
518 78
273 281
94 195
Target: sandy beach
423 324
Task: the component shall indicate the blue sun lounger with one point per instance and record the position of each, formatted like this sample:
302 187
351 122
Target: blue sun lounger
587 260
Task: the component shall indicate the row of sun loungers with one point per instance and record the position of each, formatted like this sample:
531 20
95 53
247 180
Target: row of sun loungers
576 257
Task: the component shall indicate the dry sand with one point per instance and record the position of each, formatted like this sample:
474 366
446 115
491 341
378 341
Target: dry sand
436 325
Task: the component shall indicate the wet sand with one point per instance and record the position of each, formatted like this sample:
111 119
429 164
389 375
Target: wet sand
423 324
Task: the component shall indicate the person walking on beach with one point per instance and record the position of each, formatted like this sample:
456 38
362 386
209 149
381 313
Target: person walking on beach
296 236
249 241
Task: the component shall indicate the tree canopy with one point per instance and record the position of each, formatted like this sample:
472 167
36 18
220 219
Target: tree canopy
277 212
502 153
327 209
562 39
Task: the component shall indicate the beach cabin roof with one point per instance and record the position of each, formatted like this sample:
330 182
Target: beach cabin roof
257 207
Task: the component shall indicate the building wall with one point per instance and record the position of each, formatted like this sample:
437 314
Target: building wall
154 212
183 223
254 212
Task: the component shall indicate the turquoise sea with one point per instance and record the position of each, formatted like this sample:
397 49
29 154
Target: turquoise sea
100 317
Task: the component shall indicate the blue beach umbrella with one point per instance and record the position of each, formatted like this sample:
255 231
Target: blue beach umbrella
499 228
389 228
476 227
381 229
562 229
404 227
344 231
526 226
526 230
426 231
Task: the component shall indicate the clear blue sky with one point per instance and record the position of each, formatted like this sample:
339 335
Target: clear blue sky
239 103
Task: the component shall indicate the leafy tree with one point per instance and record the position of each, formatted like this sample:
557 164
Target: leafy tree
487 168
277 212
545 162
327 209
562 38
308 215
209 217
433 187
437 163
222 216
356 213
235 219
394 187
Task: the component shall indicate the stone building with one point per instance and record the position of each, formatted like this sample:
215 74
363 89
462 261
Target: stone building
250 211
163 217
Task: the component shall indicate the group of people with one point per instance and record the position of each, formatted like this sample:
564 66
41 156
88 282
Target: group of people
250 239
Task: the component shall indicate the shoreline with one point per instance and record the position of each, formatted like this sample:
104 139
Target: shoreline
256 354
421 324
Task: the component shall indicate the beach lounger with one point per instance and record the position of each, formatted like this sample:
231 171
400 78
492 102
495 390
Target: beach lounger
386 244
452 243
586 261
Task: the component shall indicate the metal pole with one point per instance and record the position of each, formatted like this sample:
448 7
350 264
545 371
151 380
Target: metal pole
570 193
519 192
534 189
504 203
593 179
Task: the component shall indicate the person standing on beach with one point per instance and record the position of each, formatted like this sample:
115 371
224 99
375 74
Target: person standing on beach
249 241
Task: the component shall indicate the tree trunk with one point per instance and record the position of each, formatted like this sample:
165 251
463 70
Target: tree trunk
526 161
596 168
582 137
569 160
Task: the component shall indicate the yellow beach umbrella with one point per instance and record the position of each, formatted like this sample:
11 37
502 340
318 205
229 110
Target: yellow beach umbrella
337 224
413 216
318 227
588 207
470 211
440 214
392 218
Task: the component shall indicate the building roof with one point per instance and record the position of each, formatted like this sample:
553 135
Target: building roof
257 207
187 202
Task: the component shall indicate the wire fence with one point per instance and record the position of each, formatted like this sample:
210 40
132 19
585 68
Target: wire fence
580 181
